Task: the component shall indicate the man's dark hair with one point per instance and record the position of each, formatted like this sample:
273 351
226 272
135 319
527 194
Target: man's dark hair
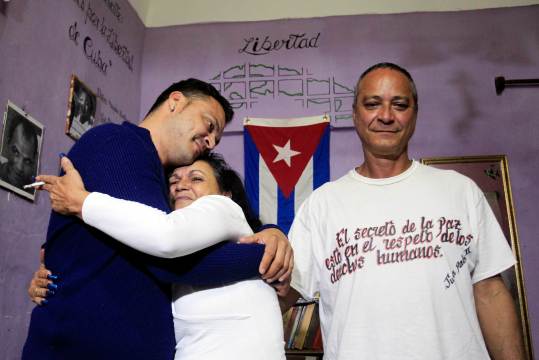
194 88
391 66
229 181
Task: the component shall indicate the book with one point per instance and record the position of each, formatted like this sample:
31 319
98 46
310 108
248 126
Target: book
313 327
297 320
303 326
317 342
288 322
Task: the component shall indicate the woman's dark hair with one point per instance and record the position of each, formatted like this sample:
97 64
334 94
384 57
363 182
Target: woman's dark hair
229 181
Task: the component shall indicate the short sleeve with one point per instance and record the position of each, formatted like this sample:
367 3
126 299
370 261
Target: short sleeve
494 252
303 237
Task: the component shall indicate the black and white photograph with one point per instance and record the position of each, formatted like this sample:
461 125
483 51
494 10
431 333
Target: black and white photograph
21 149
81 108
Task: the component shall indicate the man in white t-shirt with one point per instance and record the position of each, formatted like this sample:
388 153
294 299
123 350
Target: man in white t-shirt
406 258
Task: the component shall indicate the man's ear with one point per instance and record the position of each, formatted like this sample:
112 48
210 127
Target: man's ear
354 116
176 101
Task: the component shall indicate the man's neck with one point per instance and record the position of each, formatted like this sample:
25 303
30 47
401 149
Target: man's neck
381 167
149 124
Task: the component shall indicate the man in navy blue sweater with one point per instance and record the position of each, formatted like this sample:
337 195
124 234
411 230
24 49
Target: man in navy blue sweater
114 302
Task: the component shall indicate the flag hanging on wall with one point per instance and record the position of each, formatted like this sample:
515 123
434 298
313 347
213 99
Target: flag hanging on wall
285 160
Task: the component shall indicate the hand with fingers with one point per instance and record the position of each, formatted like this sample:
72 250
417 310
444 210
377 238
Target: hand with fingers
67 192
42 284
278 260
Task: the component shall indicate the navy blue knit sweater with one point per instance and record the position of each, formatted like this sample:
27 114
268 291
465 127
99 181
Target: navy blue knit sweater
114 302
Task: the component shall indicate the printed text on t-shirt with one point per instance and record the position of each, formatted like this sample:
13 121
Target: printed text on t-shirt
392 243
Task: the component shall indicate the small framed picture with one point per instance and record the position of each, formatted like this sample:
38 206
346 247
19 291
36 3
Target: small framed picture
80 109
491 174
22 136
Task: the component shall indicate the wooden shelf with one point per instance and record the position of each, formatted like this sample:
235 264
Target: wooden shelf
305 352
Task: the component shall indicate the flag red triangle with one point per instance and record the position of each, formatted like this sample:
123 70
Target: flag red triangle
301 139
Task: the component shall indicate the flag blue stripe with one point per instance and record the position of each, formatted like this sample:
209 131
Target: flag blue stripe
250 161
321 161
285 210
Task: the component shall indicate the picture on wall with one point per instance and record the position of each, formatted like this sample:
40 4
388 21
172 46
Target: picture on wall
491 174
20 152
80 109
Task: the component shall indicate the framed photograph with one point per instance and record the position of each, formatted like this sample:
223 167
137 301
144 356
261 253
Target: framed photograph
491 174
81 108
22 136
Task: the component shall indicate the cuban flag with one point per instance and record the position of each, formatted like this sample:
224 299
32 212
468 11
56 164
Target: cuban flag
285 160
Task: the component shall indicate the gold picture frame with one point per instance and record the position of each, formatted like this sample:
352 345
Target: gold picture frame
491 174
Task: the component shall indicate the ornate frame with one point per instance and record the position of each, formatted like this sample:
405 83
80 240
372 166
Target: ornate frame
491 174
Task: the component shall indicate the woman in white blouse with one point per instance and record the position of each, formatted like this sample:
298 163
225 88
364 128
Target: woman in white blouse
239 321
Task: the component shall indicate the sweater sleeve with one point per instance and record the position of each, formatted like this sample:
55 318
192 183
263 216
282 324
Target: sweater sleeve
207 221
219 265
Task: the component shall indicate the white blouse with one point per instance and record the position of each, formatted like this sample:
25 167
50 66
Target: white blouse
241 321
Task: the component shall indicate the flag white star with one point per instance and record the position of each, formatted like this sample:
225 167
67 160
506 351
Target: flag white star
285 153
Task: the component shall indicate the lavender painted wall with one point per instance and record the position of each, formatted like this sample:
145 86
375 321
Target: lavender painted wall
37 58
454 58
